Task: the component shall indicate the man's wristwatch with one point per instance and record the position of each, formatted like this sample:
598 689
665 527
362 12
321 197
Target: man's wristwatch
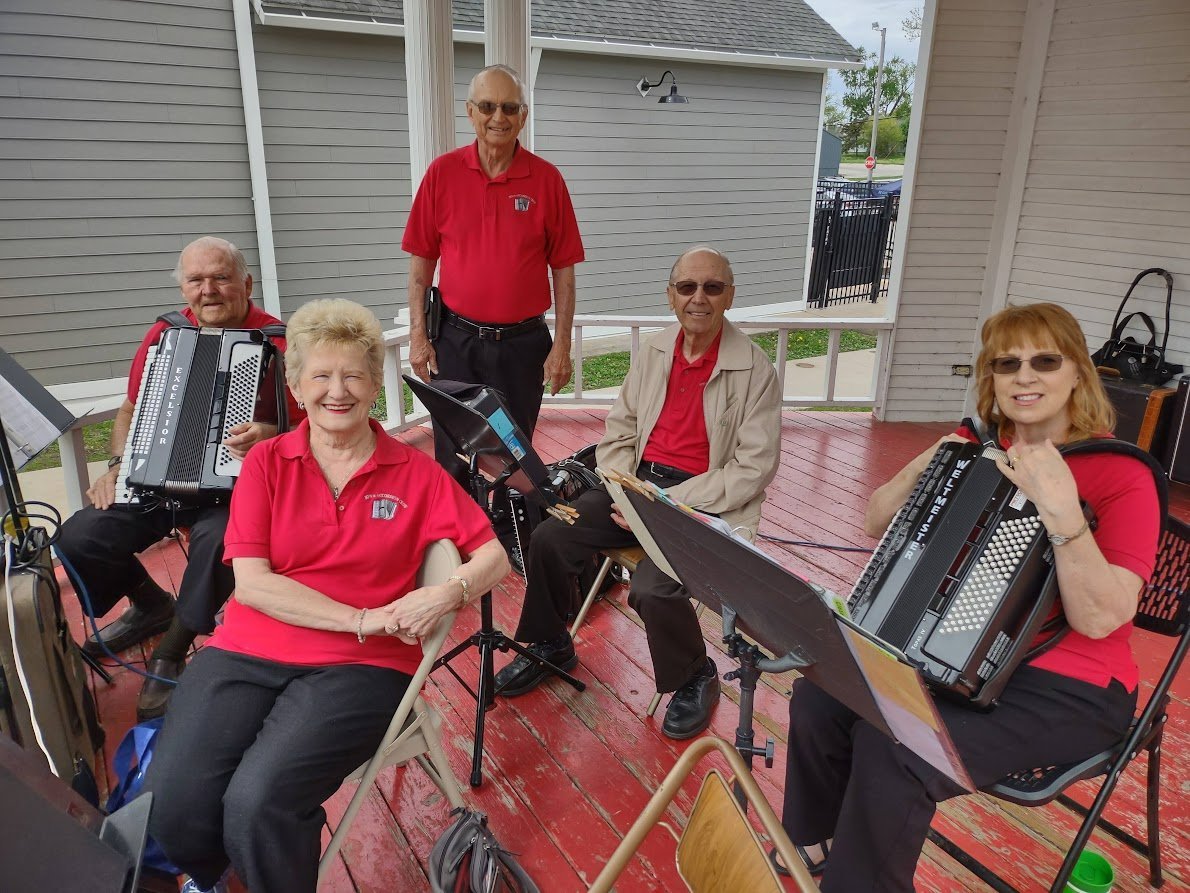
114 461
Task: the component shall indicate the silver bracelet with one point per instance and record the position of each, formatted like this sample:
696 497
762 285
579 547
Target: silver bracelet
359 626
1058 540
466 587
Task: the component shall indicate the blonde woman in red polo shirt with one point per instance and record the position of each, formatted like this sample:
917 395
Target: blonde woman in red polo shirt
327 531
847 781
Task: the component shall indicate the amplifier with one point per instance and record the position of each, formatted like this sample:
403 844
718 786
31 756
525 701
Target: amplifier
1143 412
1176 458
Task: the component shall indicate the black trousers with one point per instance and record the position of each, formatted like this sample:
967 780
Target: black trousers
846 780
559 551
514 366
249 752
101 547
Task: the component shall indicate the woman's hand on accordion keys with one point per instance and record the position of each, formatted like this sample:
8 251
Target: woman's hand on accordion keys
1045 479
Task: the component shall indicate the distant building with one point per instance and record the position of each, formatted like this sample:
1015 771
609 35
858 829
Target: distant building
830 153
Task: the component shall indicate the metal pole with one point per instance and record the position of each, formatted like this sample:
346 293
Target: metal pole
876 97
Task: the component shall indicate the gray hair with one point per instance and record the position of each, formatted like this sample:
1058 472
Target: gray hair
333 322
703 249
238 261
504 69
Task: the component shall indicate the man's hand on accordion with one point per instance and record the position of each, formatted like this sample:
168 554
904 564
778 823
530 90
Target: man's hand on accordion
244 436
102 493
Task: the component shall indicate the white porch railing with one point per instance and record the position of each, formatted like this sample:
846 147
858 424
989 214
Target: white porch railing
97 401
397 344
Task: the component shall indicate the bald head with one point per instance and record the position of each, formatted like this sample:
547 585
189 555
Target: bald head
728 276
492 73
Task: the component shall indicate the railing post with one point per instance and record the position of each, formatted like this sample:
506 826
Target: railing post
781 360
578 361
832 362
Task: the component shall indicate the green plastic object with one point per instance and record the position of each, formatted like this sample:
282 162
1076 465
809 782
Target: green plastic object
1092 874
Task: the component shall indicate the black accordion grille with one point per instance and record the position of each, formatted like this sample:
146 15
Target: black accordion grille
190 440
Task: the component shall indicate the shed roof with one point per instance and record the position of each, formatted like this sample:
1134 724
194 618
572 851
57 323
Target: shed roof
786 28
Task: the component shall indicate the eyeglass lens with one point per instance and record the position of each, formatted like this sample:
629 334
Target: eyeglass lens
489 108
711 289
1042 362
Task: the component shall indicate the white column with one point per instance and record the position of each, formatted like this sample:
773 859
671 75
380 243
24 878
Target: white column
506 42
429 79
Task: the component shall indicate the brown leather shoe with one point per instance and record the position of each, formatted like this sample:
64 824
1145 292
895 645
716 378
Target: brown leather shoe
155 694
131 628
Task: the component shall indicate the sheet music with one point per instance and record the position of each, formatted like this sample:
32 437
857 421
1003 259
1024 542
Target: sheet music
31 417
639 529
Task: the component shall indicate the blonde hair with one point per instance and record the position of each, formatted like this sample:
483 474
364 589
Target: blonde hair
1043 325
333 322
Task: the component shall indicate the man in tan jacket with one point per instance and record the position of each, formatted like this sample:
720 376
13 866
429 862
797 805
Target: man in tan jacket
699 414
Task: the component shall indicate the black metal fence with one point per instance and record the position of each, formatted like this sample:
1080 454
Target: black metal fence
852 248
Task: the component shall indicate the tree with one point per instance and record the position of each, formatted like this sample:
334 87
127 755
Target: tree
859 85
911 24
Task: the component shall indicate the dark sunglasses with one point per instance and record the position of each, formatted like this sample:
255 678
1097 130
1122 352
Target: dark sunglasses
1042 362
489 108
687 287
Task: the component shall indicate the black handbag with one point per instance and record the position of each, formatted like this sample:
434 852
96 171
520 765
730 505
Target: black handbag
1132 359
467 858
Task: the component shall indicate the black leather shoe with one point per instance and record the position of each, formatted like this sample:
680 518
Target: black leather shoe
155 694
132 627
523 675
690 708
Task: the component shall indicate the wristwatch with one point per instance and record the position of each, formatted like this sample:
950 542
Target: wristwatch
114 461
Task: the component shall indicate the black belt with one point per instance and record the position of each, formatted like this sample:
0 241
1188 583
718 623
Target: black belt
657 470
487 332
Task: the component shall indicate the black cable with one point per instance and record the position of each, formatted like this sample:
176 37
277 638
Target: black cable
810 545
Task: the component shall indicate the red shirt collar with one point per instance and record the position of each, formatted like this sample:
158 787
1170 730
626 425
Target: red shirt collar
518 168
710 356
389 451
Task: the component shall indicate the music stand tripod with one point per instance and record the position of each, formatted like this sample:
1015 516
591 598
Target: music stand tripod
484 433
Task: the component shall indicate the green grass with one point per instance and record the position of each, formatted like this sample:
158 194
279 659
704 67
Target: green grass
603 371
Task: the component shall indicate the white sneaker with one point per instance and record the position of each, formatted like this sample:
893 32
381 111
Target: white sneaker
191 886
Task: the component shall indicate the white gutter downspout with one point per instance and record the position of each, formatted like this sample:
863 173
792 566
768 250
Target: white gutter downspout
254 132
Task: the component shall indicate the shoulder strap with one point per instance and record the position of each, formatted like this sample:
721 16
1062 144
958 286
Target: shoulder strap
174 318
987 432
1124 448
275 330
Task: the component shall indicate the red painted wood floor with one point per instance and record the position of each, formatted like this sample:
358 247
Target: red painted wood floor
566 773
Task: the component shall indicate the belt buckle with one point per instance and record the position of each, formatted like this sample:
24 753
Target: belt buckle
489 333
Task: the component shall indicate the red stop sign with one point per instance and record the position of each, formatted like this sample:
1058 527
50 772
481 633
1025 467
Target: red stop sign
870 162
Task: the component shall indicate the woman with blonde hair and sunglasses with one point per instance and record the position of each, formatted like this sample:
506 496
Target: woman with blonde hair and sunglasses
858 804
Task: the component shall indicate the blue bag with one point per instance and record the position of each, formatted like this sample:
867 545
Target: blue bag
130 763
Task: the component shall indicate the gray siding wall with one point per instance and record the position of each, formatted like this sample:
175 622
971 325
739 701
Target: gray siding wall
121 139
337 148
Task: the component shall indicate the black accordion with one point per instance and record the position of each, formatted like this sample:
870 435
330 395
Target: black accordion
197 384
963 578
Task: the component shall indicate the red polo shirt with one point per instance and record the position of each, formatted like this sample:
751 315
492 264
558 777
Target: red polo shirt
496 238
680 436
363 549
1120 490
256 319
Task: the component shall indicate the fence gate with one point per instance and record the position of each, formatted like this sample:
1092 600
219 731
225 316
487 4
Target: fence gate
852 249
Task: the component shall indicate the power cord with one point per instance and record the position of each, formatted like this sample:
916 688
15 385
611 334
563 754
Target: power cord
811 545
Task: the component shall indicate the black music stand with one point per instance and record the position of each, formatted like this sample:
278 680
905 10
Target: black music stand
499 456
790 618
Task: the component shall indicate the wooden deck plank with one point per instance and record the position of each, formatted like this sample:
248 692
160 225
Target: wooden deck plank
566 772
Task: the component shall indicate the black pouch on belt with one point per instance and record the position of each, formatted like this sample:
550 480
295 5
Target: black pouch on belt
433 313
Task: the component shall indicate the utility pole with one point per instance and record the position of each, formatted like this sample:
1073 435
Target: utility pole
876 96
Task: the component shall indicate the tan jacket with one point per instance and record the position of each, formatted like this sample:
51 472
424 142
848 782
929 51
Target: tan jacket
742 408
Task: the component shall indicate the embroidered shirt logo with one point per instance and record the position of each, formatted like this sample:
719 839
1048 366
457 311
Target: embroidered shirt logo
522 203
384 505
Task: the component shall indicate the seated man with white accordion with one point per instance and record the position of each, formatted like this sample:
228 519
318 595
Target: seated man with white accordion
100 542
857 804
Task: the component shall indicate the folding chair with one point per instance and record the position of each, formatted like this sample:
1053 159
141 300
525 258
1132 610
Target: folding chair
718 850
1165 609
413 731
628 558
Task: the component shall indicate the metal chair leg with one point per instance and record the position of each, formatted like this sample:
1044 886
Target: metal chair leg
592 594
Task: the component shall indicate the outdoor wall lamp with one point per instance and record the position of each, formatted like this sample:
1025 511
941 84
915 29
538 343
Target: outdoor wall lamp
643 87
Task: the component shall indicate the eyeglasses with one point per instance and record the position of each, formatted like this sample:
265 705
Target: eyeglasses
489 108
1042 362
687 287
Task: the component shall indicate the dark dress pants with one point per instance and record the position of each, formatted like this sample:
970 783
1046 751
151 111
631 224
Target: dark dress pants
559 551
249 752
101 547
847 780
513 366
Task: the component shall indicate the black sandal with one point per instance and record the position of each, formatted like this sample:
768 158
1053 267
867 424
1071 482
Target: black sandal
815 867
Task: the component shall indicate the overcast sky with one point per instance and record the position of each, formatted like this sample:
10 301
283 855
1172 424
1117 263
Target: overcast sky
853 19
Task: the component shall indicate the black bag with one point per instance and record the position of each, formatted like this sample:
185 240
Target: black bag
1130 358
467 858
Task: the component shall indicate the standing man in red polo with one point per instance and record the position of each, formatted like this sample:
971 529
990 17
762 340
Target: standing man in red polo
500 220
